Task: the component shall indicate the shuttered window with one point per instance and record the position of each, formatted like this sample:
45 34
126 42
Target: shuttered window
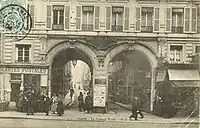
187 20
194 20
49 17
147 19
117 19
156 20
138 19
108 18
177 20
78 17
126 18
87 18
96 18
67 17
168 20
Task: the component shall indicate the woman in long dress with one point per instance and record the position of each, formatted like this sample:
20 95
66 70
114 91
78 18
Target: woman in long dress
55 103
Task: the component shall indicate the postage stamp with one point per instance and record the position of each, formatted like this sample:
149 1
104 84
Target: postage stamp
15 20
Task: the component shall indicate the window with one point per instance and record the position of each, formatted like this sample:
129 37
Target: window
58 17
117 19
88 14
177 20
147 19
15 76
197 49
176 54
23 53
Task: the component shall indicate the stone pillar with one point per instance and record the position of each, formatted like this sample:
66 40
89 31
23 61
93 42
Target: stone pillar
49 81
153 73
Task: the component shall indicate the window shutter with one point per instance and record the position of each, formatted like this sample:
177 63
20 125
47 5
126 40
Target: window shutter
156 20
108 18
138 19
96 18
126 19
198 20
168 23
194 20
49 17
32 13
67 17
78 17
186 20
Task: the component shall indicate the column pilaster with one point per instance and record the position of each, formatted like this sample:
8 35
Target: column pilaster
49 81
153 74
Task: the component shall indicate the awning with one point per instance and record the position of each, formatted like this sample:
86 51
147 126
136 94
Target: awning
185 75
184 78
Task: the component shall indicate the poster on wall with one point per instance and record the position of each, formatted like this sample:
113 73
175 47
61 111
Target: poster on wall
99 96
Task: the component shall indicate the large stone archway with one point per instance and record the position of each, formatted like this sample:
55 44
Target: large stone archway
54 50
147 51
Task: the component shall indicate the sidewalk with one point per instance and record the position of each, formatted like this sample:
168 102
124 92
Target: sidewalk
74 115
175 120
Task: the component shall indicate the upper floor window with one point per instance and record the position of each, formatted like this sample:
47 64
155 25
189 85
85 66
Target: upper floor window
23 53
58 17
117 19
177 20
176 54
147 19
87 18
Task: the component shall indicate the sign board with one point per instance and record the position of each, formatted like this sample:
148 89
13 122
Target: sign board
99 96
23 70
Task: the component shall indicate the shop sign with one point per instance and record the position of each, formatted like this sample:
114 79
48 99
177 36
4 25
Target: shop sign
23 70
99 96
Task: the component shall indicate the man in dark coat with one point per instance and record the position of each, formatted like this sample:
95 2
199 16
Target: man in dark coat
80 102
45 103
30 101
136 108
88 103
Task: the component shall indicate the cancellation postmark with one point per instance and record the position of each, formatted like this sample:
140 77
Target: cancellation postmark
15 21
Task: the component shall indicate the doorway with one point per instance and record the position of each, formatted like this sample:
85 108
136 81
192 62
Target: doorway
15 90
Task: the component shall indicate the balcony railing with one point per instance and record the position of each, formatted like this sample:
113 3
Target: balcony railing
87 27
147 28
23 61
58 26
117 28
177 29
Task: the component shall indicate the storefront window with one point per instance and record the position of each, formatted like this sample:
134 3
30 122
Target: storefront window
32 79
15 76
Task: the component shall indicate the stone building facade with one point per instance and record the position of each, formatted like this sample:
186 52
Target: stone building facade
96 31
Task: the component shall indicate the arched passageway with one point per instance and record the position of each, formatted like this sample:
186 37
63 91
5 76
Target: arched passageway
131 72
62 58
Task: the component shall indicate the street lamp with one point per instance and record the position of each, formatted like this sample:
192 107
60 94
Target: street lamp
74 62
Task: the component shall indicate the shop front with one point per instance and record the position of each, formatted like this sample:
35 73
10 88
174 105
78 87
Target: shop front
15 78
179 88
